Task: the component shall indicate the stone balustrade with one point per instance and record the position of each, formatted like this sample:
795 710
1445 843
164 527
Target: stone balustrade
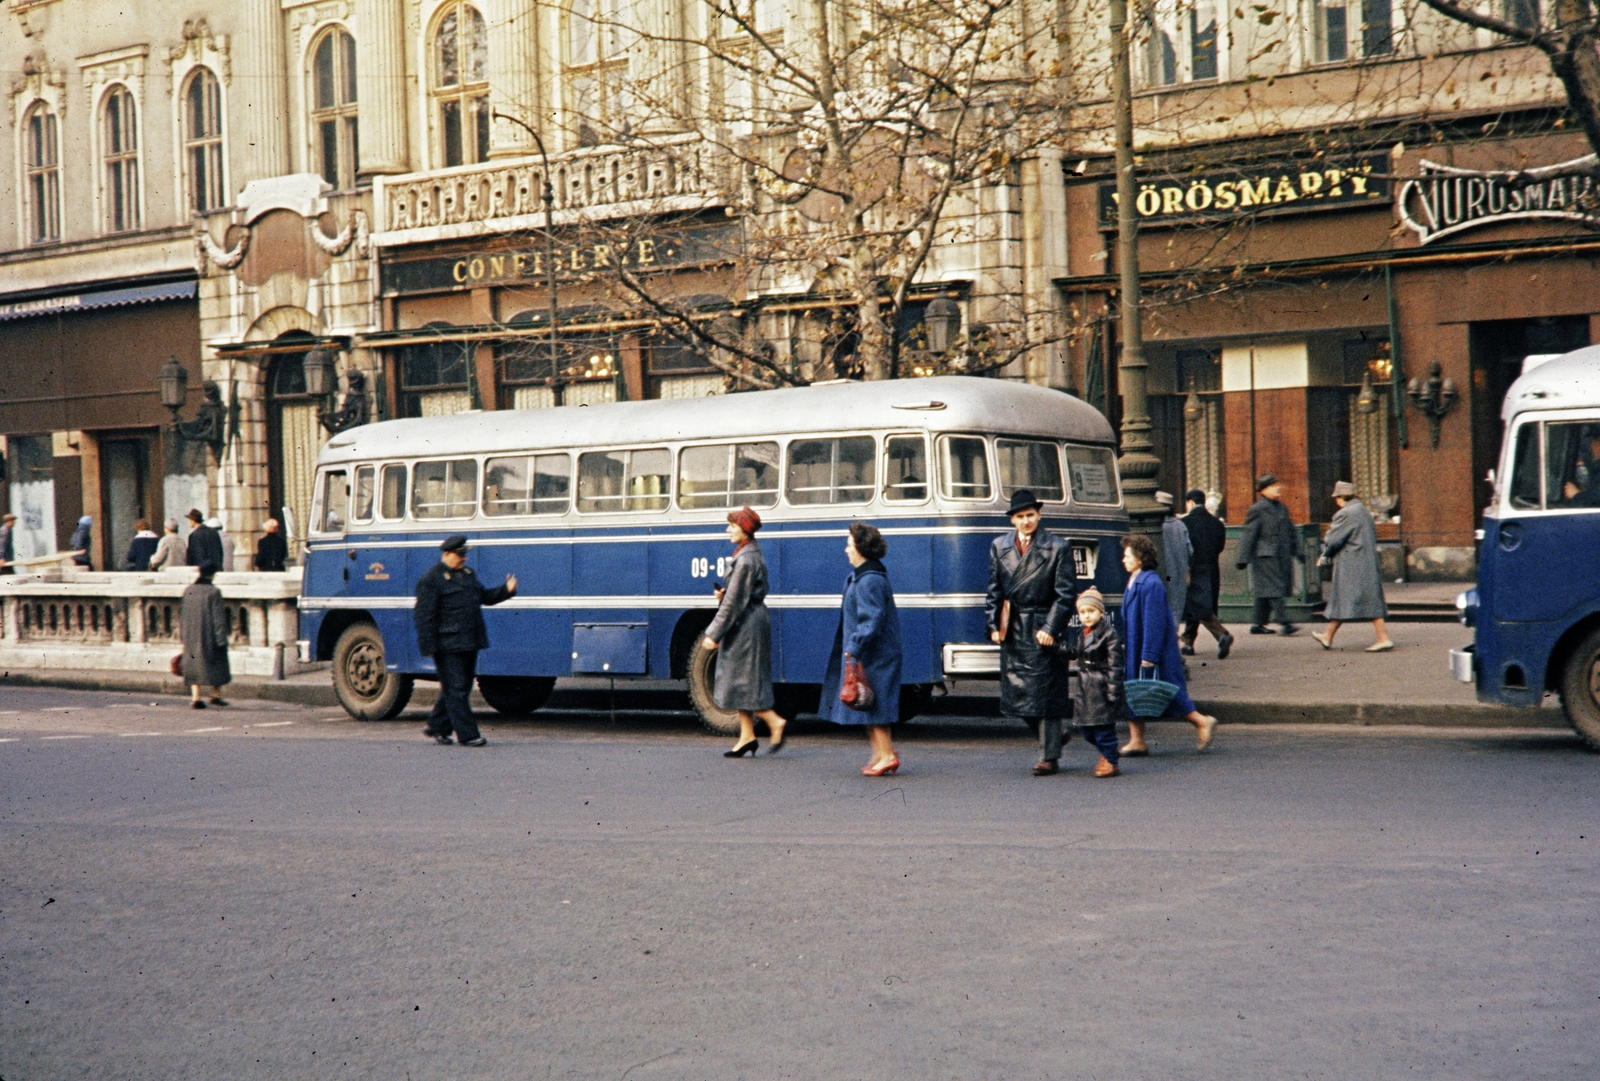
672 174
129 621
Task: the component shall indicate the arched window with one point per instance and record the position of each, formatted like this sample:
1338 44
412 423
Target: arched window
43 164
333 108
461 84
202 141
120 147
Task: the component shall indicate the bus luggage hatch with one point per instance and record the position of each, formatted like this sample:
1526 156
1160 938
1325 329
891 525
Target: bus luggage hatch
616 649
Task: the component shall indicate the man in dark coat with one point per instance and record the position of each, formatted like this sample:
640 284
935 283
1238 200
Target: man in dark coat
1208 536
205 543
141 548
450 629
1031 600
8 551
271 550
1268 546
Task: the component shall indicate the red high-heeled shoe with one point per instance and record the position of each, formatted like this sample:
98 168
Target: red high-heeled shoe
879 770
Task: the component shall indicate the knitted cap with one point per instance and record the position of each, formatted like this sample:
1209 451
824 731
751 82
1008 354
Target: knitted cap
1093 599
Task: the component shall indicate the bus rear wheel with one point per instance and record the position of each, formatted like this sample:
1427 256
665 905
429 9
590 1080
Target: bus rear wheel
1580 689
366 690
515 696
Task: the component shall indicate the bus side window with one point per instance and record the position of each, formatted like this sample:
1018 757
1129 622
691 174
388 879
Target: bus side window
1525 469
964 467
1572 464
537 484
1093 472
335 500
905 469
832 470
444 489
393 505
623 480
728 475
365 476
1030 464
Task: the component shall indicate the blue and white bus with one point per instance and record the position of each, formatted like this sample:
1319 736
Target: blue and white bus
613 516
1536 610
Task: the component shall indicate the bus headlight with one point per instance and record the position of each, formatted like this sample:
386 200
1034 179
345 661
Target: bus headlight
1467 605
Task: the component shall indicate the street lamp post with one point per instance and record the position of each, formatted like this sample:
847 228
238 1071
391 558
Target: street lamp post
549 198
1138 465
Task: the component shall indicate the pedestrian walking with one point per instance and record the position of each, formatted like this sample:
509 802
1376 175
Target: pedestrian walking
272 551
8 549
1208 536
203 545
741 632
226 542
1030 602
170 550
80 541
1152 643
203 628
450 629
1351 547
141 548
1098 700
868 634
1268 546
1177 550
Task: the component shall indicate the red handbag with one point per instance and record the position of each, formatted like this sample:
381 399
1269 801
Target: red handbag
176 665
854 690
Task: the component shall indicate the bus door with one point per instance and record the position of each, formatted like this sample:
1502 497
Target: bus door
1554 498
327 570
528 498
374 556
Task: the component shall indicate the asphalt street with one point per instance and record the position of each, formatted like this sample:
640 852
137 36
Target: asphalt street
280 892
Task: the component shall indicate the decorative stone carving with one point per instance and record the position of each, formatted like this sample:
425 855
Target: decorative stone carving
355 231
207 250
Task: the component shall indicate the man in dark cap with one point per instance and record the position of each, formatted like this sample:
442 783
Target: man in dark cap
1208 536
450 629
205 543
1268 546
1032 597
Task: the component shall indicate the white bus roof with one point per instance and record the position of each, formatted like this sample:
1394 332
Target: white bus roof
969 404
1568 382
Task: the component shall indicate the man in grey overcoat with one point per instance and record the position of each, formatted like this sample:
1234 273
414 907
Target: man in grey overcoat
1351 546
1177 548
1269 547
203 629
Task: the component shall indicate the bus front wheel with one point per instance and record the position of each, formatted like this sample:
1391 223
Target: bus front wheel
1580 689
515 696
366 690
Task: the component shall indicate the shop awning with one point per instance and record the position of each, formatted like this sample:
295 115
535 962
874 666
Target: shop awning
108 298
280 345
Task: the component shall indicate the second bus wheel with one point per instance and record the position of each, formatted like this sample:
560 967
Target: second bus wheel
515 696
1580 689
366 690
702 678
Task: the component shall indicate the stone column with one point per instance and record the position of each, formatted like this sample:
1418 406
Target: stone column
381 86
261 96
513 74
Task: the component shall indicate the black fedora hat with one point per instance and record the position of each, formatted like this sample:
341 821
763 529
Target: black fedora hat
1023 499
453 543
1265 480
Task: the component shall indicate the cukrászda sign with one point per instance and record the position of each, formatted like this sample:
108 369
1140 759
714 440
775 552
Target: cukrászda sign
1245 191
1446 200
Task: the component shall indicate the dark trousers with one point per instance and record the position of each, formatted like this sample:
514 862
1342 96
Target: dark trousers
1103 737
1191 629
452 710
1048 729
1271 610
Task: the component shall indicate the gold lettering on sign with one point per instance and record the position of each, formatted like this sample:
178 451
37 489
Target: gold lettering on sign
602 255
497 265
575 260
647 252
459 271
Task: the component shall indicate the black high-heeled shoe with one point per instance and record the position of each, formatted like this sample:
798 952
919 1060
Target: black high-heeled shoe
742 750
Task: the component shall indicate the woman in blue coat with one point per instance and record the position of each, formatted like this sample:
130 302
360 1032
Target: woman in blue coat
1152 641
869 632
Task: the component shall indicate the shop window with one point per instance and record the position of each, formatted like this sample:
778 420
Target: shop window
905 469
202 141
42 160
963 467
335 501
1351 29
728 475
461 84
1093 474
598 36
435 377
527 484
1179 42
333 108
393 505
120 146
447 489
1031 464
831 470
624 480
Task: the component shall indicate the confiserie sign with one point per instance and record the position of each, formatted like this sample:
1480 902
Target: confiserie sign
1281 188
575 256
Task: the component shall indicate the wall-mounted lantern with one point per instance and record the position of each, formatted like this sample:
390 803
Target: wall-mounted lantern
1433 398
322 379
943 321
210 424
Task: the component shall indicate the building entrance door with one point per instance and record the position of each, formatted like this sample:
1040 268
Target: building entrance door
124 494
294 437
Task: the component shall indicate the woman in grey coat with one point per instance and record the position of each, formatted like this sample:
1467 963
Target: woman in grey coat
1351 546
203 627
742 632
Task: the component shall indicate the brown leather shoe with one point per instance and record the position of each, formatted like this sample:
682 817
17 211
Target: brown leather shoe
1105 768
1045 767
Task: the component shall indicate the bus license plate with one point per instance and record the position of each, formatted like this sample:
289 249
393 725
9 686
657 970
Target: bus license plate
1084 559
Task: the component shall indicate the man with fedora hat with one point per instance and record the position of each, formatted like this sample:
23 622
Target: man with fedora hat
1032 597
450 629
1268 546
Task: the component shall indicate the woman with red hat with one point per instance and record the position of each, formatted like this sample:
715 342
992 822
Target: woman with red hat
742 635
